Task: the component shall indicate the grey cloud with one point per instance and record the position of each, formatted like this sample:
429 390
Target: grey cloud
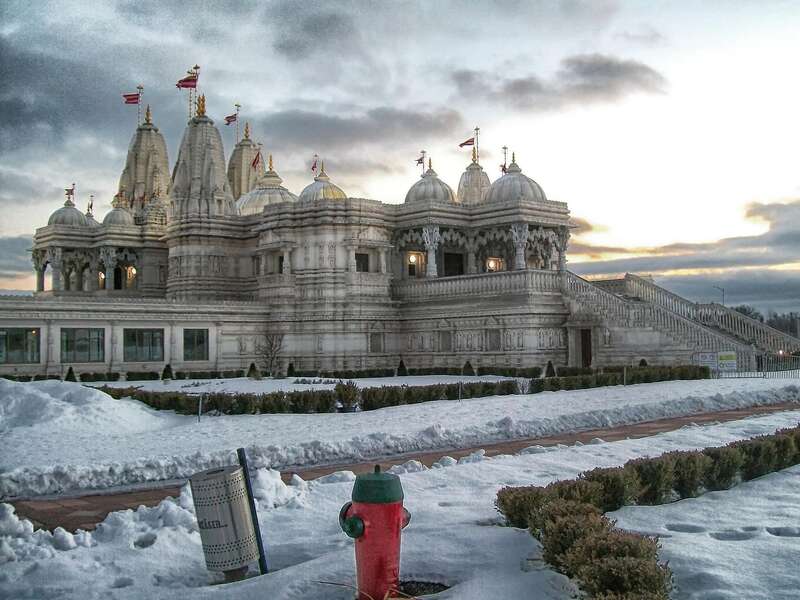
17 190
581 79
305 36
293 129
646 35
15 256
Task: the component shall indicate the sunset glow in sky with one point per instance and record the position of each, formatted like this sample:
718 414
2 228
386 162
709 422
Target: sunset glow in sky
670 129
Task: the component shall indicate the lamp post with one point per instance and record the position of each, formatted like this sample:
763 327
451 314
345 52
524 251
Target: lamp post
721 289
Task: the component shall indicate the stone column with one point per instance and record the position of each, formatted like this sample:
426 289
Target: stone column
563 240
109 258
431 238
54 258
519 233
382 260
39 267
351 259
287 261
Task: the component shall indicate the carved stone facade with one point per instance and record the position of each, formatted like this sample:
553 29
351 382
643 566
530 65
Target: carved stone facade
352 283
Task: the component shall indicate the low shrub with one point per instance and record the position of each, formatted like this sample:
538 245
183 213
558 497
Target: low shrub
626 576
657 476
143 376
564 524
759 456
620 486
786 450
571 490
573 371
253 372
347 394
725 464
167 372
691 470
467 369
549 370
70 376
517 503
401 369
290 370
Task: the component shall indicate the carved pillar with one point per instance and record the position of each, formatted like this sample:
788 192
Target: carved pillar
563 240
287 261
109 257
472 249
431 238
382 260
54 257
39 267
519 233
351 259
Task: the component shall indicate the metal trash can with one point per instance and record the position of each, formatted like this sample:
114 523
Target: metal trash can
224 519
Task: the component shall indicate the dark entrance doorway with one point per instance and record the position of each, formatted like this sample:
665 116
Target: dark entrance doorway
453 264
586 347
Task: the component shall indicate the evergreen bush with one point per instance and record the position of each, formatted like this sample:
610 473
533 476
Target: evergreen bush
657 476
467 369
549 370
691 470
725 464
620 486
70 376
401 369
167 372
347 394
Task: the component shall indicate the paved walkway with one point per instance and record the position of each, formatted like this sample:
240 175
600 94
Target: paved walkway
86 512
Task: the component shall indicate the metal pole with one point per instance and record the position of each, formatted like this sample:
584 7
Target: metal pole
199 406
262 556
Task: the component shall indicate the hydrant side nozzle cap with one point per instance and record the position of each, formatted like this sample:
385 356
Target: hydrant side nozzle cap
377 488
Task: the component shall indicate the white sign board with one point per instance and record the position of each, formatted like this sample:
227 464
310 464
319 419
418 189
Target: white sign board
707 359
727 361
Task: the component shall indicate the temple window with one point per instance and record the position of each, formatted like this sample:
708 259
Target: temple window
143 345
414 261
493 340
280 264
82 345
453 264
130 277
445 341
376 342
362 262
19 346
195 344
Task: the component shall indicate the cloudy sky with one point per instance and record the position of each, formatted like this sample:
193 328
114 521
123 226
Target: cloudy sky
670 128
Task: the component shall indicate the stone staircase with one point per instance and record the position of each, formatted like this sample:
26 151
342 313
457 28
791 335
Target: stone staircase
624 311
737 326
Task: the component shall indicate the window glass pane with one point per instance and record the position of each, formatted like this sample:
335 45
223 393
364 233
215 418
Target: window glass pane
19 346
143 345
376 342
195 344
362 262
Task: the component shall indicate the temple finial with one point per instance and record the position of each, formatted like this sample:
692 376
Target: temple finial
148 117
270 162
513 157
430 163
474 155
201 105
322 167
247 130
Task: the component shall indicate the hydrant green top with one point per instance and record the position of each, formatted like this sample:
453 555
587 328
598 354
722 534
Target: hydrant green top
377 488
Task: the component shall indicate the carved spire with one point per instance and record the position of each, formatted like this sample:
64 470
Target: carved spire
474 155
247 130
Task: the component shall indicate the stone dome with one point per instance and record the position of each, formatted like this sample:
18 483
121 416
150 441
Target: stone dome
514 186
474 183
268 191
119 216
322 189
68 215
430 187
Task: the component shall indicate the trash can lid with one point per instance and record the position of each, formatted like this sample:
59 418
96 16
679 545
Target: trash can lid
377 487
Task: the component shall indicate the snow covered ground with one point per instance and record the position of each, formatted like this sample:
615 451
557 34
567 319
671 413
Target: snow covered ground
58 436
453 538
740 543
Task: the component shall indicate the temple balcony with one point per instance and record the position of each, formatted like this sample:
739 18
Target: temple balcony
529 281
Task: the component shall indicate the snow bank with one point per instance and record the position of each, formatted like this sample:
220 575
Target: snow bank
123 442
453 537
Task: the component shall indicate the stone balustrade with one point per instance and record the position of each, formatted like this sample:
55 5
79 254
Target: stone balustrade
714 315
484 284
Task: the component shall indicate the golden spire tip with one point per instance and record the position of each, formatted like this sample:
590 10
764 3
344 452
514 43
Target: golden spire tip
474 155
430 163
270 162
201 105
247 130
513 157
148 116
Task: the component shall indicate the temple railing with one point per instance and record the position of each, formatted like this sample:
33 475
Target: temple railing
714 315
484 284
627 313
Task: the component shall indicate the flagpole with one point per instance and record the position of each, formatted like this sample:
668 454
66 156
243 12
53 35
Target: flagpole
505 155
196 71
238 106
424 154
477 148
139 87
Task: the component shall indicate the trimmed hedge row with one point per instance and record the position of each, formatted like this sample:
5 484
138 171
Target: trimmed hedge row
297 402
634 375
566 516
312 401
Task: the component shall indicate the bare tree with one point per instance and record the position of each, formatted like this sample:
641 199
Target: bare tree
269 350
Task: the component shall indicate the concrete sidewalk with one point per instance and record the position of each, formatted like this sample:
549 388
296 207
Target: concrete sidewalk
85 512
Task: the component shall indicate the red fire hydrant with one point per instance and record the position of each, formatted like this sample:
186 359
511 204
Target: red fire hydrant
374 518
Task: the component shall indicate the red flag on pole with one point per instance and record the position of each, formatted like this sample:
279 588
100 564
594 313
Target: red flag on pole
421 160
256 160
131 98
469 142
314 165
231 119
188 82
503 168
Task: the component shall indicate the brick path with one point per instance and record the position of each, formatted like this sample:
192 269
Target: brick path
86 511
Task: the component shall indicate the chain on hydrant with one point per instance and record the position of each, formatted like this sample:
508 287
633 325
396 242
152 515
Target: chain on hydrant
374 519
